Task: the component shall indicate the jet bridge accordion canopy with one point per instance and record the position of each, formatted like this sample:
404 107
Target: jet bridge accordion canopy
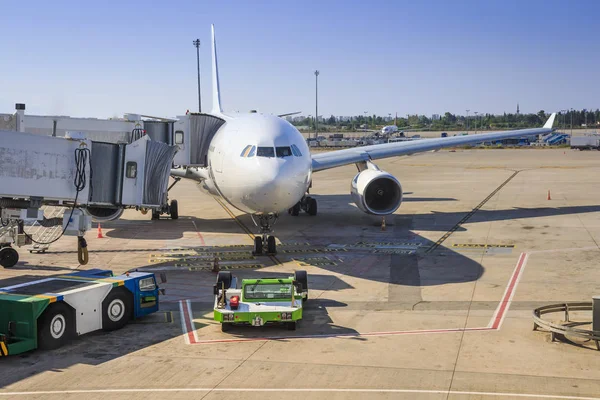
127 175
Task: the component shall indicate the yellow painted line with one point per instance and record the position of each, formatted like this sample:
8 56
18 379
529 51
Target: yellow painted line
4 349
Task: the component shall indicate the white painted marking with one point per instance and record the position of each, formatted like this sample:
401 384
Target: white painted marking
190 317
303 390
508 294
183 323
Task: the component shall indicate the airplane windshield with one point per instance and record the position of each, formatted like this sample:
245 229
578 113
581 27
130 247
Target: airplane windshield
283 151
265 152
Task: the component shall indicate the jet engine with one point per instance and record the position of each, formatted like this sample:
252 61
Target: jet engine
103 214
375 191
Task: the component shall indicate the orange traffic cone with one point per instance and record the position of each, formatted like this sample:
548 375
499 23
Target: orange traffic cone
549 195
383 223
100 232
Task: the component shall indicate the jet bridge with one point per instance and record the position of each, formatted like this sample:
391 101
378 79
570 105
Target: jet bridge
92 179
193 134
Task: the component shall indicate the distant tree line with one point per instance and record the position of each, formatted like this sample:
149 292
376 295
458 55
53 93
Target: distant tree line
452 122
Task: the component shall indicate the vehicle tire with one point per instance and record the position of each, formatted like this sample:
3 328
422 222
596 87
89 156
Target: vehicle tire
55 326
225 327
155 215
295 211
225 277
9 257
302 278
117 309
258 246
291 326
271 245
174 209
312 207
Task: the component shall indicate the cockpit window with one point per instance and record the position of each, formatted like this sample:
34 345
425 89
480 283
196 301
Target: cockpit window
248 151
284 151
296 151
265 152
244 152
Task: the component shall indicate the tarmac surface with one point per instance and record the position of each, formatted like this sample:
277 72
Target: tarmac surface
436 306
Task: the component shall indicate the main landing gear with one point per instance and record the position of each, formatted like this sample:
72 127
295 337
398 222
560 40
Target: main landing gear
265 243
307 204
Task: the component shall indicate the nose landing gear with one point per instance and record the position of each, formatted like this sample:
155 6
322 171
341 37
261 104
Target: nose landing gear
265 243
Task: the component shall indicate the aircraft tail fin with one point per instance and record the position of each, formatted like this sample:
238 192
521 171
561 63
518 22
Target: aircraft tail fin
216 95
550 122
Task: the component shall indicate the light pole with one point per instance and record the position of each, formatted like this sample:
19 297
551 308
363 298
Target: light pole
197 45
468 121
571 122
316 103
564 115
366 123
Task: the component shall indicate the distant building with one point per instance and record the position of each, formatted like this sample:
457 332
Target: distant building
435 117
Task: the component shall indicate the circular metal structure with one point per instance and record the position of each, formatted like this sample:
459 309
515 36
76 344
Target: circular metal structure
561 329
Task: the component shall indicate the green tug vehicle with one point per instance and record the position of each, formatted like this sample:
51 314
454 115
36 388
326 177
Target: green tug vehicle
259 301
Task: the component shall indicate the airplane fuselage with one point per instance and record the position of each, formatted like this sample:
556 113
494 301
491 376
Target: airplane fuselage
259 163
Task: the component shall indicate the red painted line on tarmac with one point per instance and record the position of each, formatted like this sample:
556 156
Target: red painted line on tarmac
504 303
495 323
189 326
199 234
341 335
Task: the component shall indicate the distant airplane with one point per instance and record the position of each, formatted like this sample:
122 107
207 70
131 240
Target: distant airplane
261 165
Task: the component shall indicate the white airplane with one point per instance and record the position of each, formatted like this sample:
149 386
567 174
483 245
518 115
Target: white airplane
389 129
261 165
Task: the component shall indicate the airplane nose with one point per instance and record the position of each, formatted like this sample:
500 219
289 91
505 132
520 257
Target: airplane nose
277 188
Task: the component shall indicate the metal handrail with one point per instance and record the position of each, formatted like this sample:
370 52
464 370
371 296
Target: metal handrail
564 330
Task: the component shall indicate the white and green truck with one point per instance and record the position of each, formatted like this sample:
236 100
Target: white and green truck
259 301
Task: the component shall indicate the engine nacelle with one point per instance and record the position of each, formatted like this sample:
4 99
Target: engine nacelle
376 192
103 214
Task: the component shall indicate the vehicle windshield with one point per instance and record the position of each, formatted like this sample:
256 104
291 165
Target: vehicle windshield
268 291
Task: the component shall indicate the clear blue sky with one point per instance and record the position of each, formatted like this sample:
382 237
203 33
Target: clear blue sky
106 58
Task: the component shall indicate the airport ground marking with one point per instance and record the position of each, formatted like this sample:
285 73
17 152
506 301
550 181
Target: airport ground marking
494 324
199 234
441 240
297 390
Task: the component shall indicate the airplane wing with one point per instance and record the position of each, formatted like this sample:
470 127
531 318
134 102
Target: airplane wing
337 158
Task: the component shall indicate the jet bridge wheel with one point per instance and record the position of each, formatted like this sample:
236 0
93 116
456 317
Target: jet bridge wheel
174 209
9 257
